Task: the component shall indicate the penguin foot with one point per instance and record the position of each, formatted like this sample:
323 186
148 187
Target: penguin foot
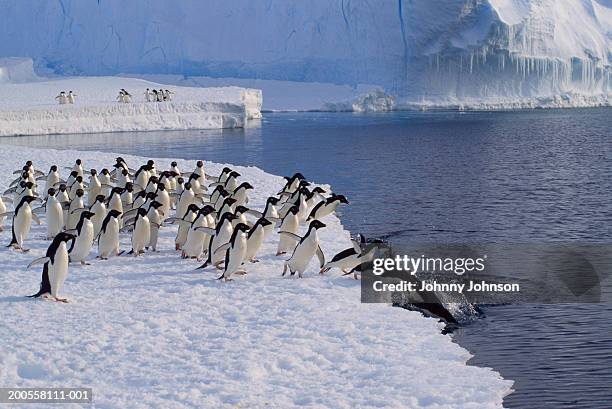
280 253
254 260
84 263
64 300
241 273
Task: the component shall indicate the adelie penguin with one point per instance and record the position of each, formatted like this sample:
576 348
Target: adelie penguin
55 268
22 222
235 251
289 224
54 214
255 238
220 235
84 233
108 239
141 235
327 207
307 247
350 259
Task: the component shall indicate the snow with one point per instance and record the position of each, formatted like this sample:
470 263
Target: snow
30 108
153 332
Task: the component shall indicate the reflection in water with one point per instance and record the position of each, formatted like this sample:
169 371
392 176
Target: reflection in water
508 177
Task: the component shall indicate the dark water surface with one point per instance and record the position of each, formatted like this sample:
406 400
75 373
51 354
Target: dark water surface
510 177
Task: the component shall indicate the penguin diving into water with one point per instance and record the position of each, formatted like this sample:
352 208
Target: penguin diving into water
350 259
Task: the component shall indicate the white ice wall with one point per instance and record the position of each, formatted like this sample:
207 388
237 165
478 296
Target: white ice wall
414 48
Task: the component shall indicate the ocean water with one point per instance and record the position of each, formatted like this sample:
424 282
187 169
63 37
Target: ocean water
542 176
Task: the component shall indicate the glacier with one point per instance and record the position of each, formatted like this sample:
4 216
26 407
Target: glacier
516 53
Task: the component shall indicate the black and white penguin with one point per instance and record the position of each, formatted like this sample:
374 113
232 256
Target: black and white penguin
70 97
52 179
198 240
148 95
289 224
184 224
84 236
108 239
55 269
61 98
307 247
292 183
220 235
99 209
156 217
22 222
349 259
95 187
235 251
327 207
241 193
255 238
54 213
75 208
141 235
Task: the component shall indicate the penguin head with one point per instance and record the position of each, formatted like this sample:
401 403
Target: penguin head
51 191
298 175
242 227
234 174
129 187
125 172
25 169
316 224
22 184
151 195
104 171
319 190
187 186
28 163
87 214
78 162
341 198
245 185
150 163
142 193
53 168
226 170
229 201
264 222
200 164
304 183
193 208
273 200
227 216
116 190
114 213
93 172
206 210
294 210
29 185
153 179
29 199
80 192
100 198
161 186
142 211
62 188
79 179
74 174
180 181
64 236
156 204
241 209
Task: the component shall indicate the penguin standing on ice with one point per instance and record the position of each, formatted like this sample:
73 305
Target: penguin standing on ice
105 180
235 251
141 235
98 208
196 239
108 239
54 214
74 210
220 235
255 238
148 95
94 188
61 98
2 211
84 232
55 269
241 194
307 247
52 178
289 224
22 222
70 97
184 223
155 216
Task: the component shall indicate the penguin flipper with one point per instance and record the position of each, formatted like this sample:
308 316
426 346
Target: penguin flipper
71 231
223 247
290 235
7 214
255 213
206 230
40 260
7 199
320 256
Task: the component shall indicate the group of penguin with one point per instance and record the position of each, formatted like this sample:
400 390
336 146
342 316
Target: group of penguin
124 96
214 222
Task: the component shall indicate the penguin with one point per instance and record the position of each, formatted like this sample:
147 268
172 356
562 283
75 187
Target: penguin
241 194
255 238
52 178
327 207
195 184
61 98
114 202
350 259
163 197
235 251
197 240
199 170
98 208
184 225
141 235
127 195
298 200
25 189
105 180
155 96
148 95
141 177
55 269
54 214
160 95
155 216
314 198
152 184
290 224
292 183
78 167
70 97
240 213
231 182
220 235
77 185
75 208
175 169
270 211
84 232
228 205
95 187
108 239
168 95
222 176
22 222
62 196
123 178
187 198
307 247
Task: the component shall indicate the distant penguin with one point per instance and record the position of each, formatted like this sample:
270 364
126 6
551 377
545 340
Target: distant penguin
141 235
327 207
82 244
106 182
307 247
78 167
163 197
255 238
98 208
290 224
114 202
156 217
148 95
160 95
52 178
94 188
235 251
62 196
55 269
77 185
70 97
22 222
2 211
54 213
168 95
108 239
62 98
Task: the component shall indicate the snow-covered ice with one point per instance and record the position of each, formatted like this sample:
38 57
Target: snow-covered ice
30 108
153 332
